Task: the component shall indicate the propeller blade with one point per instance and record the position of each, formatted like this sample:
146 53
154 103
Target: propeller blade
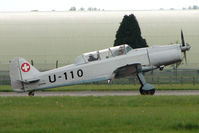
182 39
184 46
185 57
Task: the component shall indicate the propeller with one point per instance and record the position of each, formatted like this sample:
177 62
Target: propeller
182 39
185 46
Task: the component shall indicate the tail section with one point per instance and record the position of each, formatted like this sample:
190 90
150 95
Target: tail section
21 72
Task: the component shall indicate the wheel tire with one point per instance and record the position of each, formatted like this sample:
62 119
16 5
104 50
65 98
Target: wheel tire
31 93
147 92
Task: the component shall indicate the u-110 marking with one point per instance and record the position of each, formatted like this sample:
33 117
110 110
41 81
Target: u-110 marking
79 73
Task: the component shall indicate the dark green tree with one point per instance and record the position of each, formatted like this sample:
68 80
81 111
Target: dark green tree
129 33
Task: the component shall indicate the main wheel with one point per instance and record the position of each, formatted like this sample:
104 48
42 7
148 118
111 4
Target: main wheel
147 92
31 93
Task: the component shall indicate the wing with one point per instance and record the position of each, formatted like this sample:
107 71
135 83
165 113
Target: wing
127 70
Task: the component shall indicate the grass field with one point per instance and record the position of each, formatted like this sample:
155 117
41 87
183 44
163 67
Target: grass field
109 87
140 114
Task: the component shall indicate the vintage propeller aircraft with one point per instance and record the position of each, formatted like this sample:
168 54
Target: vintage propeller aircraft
107 64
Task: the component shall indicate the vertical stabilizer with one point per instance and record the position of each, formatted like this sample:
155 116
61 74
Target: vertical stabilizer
21 70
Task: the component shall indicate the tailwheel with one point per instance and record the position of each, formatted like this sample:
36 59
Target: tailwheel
31 93
147 92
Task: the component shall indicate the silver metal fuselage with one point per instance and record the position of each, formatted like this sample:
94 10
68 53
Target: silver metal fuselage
103 69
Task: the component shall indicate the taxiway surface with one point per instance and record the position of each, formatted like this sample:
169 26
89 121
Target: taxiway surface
100 93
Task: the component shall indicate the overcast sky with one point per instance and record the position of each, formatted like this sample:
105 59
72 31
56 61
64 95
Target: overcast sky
63 5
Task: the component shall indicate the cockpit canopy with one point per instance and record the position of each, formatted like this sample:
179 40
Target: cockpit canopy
103 54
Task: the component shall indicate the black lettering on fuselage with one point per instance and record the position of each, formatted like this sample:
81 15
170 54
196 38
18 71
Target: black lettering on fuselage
65 74
72 75
79 73
54 78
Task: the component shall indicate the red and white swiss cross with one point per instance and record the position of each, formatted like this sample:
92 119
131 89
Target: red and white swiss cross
25 67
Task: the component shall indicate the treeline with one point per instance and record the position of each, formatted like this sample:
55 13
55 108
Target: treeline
83 9
194 7
73 8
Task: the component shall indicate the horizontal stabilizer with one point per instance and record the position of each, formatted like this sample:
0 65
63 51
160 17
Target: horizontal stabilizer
29 81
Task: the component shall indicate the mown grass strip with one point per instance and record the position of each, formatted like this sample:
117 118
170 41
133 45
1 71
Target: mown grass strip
116 114
110 87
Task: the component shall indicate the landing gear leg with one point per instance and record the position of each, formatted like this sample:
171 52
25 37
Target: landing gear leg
31 93
146 88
